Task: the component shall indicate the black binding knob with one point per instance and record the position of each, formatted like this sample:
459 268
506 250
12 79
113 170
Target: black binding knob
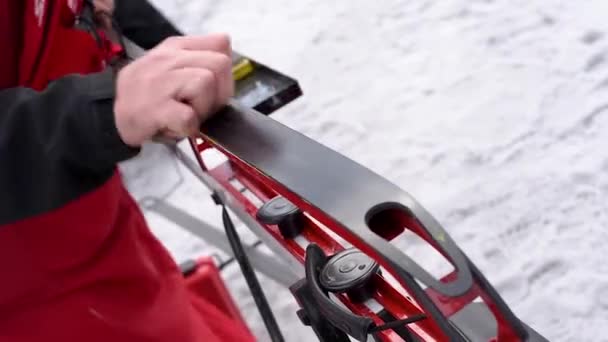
284 214
350 271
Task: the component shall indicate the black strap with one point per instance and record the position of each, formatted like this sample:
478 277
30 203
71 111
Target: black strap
252 281
397 323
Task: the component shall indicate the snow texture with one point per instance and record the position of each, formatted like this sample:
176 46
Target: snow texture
492 113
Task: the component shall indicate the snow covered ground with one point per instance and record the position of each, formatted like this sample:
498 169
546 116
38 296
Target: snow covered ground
494 114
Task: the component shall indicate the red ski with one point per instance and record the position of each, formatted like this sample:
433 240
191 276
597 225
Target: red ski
297 195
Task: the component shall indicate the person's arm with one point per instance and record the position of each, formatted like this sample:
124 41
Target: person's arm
56 144
142 23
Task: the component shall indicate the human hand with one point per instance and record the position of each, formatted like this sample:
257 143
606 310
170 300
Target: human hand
173 88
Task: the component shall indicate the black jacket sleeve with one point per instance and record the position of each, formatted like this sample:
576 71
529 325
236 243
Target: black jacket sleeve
142 23
56 144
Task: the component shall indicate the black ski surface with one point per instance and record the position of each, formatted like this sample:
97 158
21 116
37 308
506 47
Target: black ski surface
348 193
340 187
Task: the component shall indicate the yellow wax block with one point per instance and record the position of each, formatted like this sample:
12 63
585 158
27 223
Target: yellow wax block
241 69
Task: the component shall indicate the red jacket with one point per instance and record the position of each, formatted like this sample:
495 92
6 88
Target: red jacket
78 262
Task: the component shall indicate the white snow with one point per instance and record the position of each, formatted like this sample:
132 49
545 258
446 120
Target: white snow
493 114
